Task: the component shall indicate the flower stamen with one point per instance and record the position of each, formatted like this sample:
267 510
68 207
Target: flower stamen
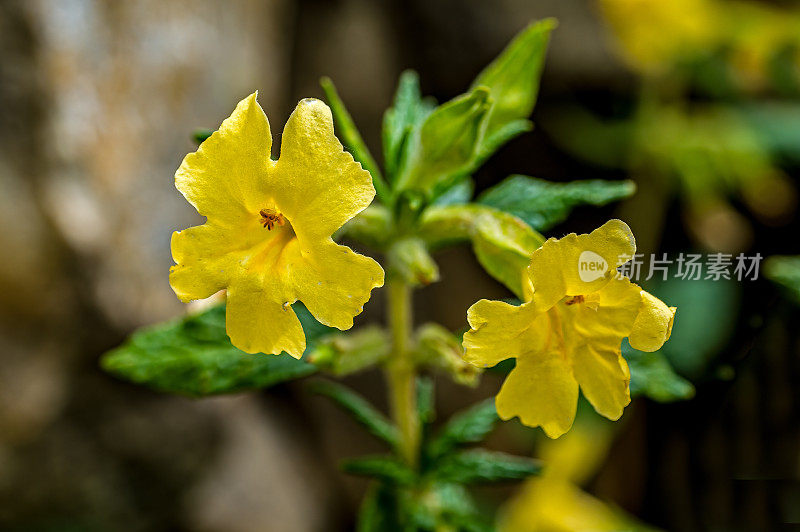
270 218
575 299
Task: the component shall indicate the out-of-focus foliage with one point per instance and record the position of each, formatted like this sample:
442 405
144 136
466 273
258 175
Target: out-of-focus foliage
360 409
714 152
785 271
753 44
193 356
696 341
653 377
708 154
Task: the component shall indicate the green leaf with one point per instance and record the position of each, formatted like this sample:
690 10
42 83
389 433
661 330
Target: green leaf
502 242
602 142
346 353
439 348
193 356
653 377
387 468
513 77
785 271
401 120
447 143
364 413
201 134
379 510
469 426
352 138
410 259
445 506
480 466
457 193
543 204
456 508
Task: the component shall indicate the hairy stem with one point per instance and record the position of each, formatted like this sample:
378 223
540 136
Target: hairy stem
401 373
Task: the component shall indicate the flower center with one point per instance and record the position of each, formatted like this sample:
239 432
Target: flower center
575 299
270 218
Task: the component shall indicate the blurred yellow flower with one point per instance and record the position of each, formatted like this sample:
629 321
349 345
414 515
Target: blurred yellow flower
653 34
569 331
267 238
554 501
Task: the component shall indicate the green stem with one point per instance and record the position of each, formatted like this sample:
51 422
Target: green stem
400 370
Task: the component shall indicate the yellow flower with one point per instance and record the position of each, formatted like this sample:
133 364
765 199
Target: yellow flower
554 501
267 238
569 331
654 34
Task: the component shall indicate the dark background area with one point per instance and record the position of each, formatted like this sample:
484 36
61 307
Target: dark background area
97 103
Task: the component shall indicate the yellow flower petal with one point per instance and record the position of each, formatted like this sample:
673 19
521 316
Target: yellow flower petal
541 391
333 282
604 378
653 325
258 320
224 178
321 186
606 316
501 331
555 269
200 270
593 332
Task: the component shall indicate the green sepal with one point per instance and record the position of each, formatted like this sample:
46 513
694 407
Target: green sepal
502 242
401 120
652 376
436 347
352 139
466 427
481 466
345 353
372 227
513 77
410 259
387 468
543 204
447 143
193 356
359 408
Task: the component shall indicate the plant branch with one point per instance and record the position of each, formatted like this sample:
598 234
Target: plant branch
400 370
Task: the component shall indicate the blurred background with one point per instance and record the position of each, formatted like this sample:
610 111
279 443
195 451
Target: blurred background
697 101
